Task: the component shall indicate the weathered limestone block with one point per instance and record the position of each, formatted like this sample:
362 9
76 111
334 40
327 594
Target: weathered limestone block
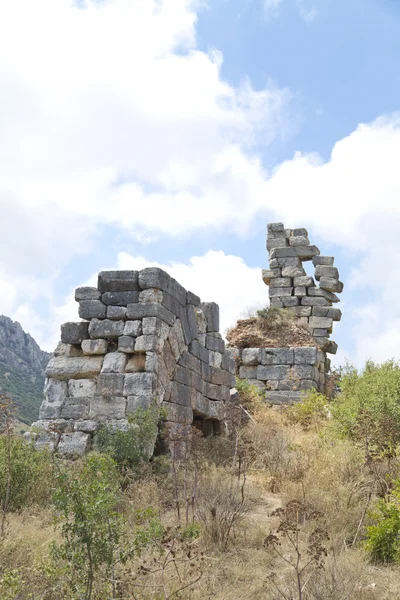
248 373
251 356
275 228
320 323
92 309
299 240
67 350
281 263
133 328
323 260
303 281
75 408
155 326
277 356
74 333
151 295
282 397
290 301
217 410
317 301
120 298
273 372
150 309
281 291
317 292
215 342
116 313
65 368
138 384
192 299
276 243
87 293
149 343
81 388
55 393
90 347
106 329
200 405
110 384
213 392
118 281
269 274
114 362
211 312
301 311
199 351
135 402
126 344
73 444
293 272
320 332
106 408
178 413
215 359
330 285
305 356
280 282
325 271
300 291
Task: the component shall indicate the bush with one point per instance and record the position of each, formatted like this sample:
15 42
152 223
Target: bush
250 395
273 317
312 409
383 537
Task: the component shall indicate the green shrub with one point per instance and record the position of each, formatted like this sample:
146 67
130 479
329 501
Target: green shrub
273 316
134 446
311 409
250 395
383 537
367 410
31 473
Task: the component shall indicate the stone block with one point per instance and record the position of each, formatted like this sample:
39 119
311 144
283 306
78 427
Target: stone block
201 320
282 253
110 384
178 413
314 301
293 261
75 408
275 228
120 298
330 285
87 426
107 408
324 271
264 373
331 347
302 252
317 292
248 372
116 313
199 351
305 356
299 240
215 342
172 304
212 391
300 231
276 243
320 332
126 344
192 299
183 375
215 359
277 356
293 272
153 296
280 282
320 323
211 312
149 343
105 329
285 291
290 301
138 384
200 405
334 313
133 328
191 317
251 356
308 384
55 391
87 293
135 402
301 311
323 260
50 410
136 364
181 394
92 309
300 372
64 368
282 397
118 281
217 410
190 361
155 326
303 281
153 277
94 347
67 350
81 388
276 302
300 291
268 274
150 309
114 362
74 333
73 444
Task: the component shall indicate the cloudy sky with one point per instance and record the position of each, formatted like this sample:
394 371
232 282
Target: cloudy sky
170 132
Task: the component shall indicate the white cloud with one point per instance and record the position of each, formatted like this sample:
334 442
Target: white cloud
307 13
271 8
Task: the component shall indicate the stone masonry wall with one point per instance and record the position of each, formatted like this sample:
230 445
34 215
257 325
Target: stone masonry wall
142 337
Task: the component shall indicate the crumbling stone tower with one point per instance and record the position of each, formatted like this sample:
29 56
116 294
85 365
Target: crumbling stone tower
142 338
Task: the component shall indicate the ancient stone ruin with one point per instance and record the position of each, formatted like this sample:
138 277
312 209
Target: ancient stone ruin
142 338
285 372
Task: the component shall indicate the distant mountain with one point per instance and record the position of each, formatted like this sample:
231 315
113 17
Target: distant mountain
22 365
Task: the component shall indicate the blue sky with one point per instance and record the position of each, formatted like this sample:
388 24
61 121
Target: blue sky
172 131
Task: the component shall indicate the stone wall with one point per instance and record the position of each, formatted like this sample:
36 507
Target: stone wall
142 337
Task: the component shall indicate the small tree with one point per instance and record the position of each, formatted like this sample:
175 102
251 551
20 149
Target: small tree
7 413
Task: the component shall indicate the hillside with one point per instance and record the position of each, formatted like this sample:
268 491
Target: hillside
22 365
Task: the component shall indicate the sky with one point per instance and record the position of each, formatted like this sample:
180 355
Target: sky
136 133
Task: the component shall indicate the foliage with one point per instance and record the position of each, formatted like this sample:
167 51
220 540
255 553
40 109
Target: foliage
25 388
383 537
250 395
272 316
312 409
133 446
367 410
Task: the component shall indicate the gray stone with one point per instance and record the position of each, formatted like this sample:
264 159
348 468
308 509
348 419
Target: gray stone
268 274
173 305
118 281
55 391
331 347
323 260
178 413
276 243
116 313
92 309
320 323
214 392
272 372
285 291
323 271
90 347
305 356
87 426
155 326
200 405
215 359
135 402
75 408
300 231
192 299
126 344
304 281
198 351
138 384
300 291
110 384
330 285
153 277
320 332
181 394
300 372
251 356
67 350
133 328
191 317
190 361
120 298
280 282
281 397
215 342
114 362
64 368
74 333
150 309
293 272
317 292
81 388
275 228
105 329
299 240
50 410
276 302
211 312
310 301
282 253
302 252
301 311
73 444
335 314
294 261
277 356
106 408
149 343
151 295
248 372
87 293
217 410
290 301
183 375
